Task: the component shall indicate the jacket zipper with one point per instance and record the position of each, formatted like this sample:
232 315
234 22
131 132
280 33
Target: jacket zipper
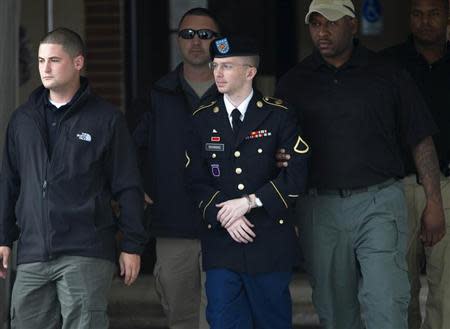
45 217
45 183
49 160
44 188
45 220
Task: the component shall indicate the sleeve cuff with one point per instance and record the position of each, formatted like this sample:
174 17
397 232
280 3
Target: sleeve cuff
209 209
273 200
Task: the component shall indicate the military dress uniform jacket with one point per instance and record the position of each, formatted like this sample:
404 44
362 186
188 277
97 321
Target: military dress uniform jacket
223 168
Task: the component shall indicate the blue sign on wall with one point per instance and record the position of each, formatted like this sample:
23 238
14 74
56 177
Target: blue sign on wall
372 17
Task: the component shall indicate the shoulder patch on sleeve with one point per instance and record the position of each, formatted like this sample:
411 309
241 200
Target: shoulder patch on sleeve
203 107
275 102
301 146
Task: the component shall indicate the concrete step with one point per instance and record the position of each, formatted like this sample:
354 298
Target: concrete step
138 307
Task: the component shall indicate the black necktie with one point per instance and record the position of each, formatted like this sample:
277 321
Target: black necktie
237 123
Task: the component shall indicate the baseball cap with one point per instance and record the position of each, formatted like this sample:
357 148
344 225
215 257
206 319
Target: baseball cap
331 9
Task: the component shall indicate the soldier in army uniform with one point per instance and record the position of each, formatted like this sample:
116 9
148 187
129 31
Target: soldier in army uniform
248 240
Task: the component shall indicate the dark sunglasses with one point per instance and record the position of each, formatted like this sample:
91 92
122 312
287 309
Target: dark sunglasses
203 34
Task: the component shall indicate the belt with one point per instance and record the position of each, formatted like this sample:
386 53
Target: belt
346 192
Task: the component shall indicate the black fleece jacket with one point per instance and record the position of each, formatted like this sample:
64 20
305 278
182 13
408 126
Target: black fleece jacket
60 204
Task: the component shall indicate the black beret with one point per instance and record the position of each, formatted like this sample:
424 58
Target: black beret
233 46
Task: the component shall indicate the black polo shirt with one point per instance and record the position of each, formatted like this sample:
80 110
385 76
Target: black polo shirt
356 118
433 81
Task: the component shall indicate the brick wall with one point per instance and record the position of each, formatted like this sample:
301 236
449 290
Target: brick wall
105 55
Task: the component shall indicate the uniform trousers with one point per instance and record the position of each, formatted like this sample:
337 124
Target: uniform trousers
354 246
244 301
69 288
437 259
179 282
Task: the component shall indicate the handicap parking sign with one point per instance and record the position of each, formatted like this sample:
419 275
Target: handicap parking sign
372 17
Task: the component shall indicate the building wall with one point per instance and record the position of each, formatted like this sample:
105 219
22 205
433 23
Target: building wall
105 60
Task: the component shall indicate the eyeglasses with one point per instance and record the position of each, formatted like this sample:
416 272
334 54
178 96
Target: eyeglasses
204 34
225 66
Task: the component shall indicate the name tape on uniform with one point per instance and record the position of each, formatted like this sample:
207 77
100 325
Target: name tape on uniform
215 147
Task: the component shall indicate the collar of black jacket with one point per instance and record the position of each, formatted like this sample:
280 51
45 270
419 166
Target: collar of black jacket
83 86
171 81
39 97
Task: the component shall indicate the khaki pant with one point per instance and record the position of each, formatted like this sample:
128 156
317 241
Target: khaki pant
437 314
71 288
180 282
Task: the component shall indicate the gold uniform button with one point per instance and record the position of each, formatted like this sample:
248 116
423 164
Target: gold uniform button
260 151
241 187
209 226
238 171
213 155
281 221
216 109
237 154
259 104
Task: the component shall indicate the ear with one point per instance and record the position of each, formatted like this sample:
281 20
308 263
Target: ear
251 72
78 62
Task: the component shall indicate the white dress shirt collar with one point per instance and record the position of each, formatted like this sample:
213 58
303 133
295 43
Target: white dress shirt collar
241 107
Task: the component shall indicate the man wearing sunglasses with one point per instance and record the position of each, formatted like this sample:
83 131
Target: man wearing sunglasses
161 138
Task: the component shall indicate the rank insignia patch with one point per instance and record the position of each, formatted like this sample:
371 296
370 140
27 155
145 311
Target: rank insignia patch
215 139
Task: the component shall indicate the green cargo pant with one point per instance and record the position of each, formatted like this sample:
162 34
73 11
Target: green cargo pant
354 248
70 288
437 258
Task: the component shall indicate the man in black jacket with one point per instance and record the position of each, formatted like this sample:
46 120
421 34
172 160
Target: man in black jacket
162 140
67 154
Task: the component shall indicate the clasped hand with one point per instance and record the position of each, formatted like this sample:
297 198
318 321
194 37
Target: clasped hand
231 217
232 210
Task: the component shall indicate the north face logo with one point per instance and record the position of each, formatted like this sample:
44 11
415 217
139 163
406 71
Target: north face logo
84 137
